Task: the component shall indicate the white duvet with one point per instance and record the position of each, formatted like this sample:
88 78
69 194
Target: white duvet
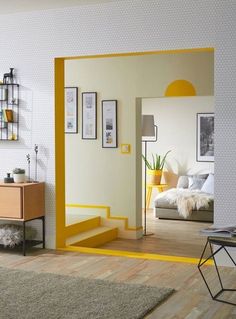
186 200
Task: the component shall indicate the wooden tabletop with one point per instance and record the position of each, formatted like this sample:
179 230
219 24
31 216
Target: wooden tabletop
19 184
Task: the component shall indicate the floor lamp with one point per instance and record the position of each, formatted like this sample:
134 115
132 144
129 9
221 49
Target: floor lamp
149 135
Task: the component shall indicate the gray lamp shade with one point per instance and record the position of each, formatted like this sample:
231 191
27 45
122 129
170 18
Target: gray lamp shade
148 127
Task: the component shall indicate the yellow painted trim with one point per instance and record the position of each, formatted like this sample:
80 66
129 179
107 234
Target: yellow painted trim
96 240
131 254
59 152
84 225
111 55
108 214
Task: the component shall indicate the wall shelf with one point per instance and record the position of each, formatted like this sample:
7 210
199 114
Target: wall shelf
9 112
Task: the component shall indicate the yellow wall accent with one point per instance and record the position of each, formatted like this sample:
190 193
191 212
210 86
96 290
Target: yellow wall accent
108 214
111 55
180 88
131 254
98 239
59 152
82 226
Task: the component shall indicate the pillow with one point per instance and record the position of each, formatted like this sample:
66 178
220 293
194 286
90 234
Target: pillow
182 182
208 186
195 182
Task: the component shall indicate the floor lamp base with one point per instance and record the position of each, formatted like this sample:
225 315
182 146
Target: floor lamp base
147 234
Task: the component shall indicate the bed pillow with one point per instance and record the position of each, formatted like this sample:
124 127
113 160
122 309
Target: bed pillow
208 186
195 182
182 182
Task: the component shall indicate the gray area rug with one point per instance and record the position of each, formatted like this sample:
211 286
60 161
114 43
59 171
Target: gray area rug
31 295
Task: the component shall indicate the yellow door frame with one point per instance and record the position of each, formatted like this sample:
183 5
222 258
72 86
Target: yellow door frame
59 71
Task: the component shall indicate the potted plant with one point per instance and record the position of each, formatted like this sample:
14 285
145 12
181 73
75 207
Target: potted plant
19 175
155 167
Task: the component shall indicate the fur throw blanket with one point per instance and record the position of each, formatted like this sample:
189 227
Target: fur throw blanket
186 200
12 235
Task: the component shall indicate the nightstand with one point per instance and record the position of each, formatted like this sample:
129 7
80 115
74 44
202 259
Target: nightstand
150 187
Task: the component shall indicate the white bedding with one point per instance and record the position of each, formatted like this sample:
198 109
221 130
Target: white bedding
186 200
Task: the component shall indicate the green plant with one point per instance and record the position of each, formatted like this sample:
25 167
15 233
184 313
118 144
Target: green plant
18 171
157 162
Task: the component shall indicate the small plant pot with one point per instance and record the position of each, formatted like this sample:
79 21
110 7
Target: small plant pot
154 177
19 178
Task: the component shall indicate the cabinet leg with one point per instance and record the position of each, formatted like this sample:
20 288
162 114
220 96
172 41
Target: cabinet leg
23 238
43 225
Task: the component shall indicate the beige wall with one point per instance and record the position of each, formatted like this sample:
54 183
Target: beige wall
104 176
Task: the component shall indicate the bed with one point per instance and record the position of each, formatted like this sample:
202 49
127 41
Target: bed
167 204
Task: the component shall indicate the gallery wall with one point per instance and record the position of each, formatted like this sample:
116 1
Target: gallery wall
31 41
101 176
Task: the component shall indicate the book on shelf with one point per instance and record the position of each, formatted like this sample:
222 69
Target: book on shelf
8 115
228 231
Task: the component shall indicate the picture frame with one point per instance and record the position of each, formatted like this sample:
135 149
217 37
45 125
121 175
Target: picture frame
89 115
205 137
71 110
109 124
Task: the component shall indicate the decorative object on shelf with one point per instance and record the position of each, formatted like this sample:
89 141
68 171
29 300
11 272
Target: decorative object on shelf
8 179
12 235
28 162
149 134
3 93
3 124
109 124
89 115
9 108
19 175
155 167
71 110
36 149
205 137
8 78
8 116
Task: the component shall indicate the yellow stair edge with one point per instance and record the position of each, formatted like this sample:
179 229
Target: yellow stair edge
96 237
82 226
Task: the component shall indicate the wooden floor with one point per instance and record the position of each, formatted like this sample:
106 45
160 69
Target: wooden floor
171 237
190 301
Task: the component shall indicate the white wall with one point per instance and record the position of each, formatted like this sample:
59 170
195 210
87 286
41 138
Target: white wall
30 41
176 121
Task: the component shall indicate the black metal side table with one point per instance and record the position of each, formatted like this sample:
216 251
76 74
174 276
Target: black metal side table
223 243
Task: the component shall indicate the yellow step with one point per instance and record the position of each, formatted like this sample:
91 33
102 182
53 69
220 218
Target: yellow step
96 237
87 223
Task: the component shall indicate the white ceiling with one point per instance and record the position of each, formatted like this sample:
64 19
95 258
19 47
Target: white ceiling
13 6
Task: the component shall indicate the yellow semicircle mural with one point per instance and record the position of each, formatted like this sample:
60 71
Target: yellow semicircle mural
180 88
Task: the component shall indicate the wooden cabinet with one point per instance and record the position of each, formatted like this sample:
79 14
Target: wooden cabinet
22 201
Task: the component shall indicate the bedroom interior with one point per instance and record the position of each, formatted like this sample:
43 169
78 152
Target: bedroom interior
98 205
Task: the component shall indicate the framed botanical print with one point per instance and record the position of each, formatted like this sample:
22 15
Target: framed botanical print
109 124
89 115
205 137
71 110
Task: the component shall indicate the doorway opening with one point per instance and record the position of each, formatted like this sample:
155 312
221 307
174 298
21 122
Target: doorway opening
102 186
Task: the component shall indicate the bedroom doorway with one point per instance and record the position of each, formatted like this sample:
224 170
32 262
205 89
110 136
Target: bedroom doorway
179 204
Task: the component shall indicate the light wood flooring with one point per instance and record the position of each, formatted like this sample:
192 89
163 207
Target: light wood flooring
171 237
190 301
